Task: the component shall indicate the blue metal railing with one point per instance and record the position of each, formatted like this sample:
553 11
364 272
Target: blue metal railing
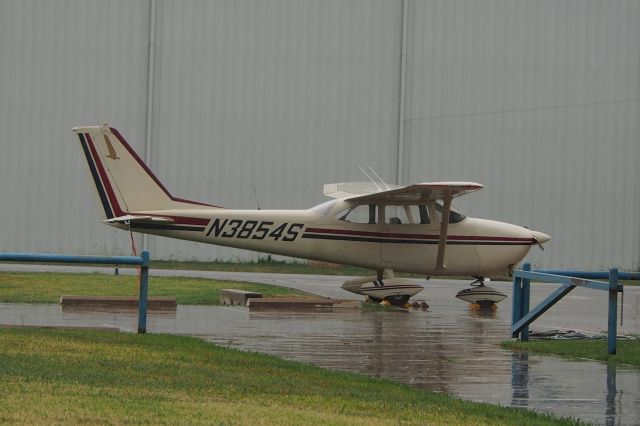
142 261
521 316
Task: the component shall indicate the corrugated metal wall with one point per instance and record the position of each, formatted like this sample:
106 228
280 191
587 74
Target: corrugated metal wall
62 64
283 96
539 102
536 100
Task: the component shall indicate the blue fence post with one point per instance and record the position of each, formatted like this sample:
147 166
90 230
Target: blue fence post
516 303
524 309
144 284
612 331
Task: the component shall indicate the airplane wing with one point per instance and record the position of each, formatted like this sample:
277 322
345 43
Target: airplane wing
416 193
352 189
126 219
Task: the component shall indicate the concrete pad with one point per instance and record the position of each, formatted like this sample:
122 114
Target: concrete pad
153 303
280 303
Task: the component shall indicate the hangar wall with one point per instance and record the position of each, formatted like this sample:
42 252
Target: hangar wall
539 102
536 100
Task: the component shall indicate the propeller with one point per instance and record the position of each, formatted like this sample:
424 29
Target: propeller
539 238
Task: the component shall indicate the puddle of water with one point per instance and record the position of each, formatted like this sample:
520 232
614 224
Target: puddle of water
448 348
460 358
54 315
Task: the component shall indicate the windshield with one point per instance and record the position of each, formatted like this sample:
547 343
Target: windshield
324 208
454 214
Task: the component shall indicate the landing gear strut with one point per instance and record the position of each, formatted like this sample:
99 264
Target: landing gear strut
479 282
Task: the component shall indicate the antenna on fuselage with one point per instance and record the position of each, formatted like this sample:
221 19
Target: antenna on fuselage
255 194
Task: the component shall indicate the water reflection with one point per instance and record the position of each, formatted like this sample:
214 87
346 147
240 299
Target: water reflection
520 379
610 415
545 383
459 356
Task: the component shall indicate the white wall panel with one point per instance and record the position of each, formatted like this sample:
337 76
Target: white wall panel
281 95
539 102
536 100
63 64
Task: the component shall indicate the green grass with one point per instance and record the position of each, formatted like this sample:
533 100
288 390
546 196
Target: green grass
52 376
628 351
19 287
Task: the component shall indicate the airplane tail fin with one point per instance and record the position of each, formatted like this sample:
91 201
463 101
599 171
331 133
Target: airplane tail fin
123 181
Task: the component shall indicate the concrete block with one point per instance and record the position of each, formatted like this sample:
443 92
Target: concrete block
121 302
230 296
296 303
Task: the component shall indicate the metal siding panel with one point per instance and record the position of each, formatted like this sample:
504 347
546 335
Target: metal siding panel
634 135
281 95
63 64
536 101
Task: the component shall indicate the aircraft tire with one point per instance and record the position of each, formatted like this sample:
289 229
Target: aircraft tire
398 300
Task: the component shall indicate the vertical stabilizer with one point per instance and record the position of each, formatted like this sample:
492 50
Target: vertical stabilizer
123 181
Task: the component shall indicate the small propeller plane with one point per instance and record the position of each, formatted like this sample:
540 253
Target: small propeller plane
382 227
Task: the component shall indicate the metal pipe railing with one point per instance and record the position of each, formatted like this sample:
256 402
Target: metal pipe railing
142 261
521 316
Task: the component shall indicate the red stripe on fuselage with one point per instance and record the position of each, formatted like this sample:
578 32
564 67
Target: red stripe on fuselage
182 220
415 236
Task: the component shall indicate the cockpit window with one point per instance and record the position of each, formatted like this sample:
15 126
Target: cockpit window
407 214
454 215
358 214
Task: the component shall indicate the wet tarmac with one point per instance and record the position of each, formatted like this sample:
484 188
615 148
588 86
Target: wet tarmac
448 348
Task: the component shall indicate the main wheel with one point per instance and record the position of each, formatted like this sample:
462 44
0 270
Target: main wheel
398 299
484 304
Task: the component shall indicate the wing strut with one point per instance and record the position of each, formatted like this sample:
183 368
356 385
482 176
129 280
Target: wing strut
444 227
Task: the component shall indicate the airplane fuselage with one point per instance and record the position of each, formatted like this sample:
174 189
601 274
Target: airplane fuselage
474 246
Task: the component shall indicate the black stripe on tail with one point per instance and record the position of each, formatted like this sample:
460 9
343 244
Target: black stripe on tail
96 178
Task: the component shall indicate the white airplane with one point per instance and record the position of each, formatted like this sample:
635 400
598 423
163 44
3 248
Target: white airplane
372 225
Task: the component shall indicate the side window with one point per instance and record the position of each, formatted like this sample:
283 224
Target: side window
358 214
410 214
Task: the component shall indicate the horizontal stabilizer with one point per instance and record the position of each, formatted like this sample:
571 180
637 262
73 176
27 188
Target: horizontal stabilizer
138 219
